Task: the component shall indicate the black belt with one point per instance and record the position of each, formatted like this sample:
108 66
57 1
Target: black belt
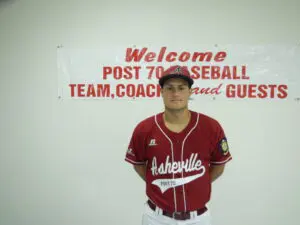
177 215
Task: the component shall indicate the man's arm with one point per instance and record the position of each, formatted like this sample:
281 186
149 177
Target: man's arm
141 170
215 171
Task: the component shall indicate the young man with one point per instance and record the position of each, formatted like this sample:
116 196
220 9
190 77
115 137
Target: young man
178 153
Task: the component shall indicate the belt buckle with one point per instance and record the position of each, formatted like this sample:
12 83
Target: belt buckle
179 215
174 214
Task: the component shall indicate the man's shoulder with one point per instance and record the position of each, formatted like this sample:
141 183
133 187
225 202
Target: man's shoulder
208 118
208 121
147 123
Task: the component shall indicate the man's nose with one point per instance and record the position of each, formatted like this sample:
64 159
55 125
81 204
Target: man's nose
175 90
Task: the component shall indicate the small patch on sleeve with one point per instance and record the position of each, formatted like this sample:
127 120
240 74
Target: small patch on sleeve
223 146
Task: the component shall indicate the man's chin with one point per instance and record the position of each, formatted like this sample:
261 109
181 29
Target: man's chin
176 108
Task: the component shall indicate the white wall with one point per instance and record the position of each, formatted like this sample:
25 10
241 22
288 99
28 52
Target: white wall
62 161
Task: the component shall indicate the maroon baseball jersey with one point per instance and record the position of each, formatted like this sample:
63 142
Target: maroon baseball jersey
177 176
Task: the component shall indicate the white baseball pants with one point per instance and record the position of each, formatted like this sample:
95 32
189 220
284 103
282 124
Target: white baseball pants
156 218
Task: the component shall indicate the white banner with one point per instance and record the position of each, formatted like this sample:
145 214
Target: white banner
225 72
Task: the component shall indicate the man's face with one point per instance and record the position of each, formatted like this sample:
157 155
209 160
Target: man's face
176 93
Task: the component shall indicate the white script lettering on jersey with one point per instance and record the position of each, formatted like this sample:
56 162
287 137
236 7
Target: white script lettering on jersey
189 165
165 184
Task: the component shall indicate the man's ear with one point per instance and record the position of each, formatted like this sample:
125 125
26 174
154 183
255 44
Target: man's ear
191 91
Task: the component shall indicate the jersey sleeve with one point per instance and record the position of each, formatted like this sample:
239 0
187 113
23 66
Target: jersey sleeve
135 153
220 153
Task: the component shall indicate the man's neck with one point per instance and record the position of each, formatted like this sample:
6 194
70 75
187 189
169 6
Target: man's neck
177 116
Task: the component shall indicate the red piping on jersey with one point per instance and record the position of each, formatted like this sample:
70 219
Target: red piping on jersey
134 162
222 162
174 191
182 148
